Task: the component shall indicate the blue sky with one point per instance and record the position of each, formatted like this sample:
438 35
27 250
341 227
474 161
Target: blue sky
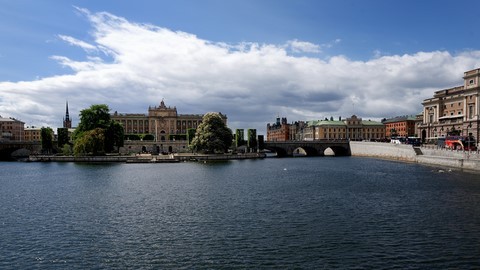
250 59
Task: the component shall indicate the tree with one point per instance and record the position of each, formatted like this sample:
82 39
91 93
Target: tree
252 139
62 137
190 135
239 137
97 130
92 142
97 116
113 136
46 135
212 135
148 137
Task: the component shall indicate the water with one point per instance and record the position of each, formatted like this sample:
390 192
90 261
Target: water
304 213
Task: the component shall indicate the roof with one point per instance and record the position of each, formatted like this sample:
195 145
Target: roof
400 119
371 123
325 123
9 120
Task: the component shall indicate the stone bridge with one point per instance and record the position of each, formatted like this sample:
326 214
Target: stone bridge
311 148
11 149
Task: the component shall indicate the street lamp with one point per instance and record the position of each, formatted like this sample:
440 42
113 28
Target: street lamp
468 136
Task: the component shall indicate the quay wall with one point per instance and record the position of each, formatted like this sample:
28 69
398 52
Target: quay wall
146 158
401 152
44 158
428 156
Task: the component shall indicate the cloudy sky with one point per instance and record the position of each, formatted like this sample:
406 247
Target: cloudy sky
253 60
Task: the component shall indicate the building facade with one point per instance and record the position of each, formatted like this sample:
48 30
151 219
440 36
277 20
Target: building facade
163 122
279 131
32 134
352 128
400 126
11 129
454 110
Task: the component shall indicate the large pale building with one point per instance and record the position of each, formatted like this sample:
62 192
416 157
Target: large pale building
352 128
11 129
454 110
163 122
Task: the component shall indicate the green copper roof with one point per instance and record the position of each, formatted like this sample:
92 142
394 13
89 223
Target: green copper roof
371 123
325 123
340 123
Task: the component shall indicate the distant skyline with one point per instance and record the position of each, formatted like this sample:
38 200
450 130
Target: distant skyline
252 60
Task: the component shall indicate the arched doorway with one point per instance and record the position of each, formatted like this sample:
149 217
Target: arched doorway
424 135
162 135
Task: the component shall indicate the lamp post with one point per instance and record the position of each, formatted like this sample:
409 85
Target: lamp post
468 136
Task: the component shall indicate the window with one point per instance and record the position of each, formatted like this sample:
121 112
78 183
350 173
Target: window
470 111
471 82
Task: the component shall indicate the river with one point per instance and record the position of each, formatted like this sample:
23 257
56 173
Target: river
303 213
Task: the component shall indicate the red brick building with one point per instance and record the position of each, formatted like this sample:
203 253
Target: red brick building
401 126
278 132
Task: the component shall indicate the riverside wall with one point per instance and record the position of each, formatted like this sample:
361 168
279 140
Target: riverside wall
428 156
146 158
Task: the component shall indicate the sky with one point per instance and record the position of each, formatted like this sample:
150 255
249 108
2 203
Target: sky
253 60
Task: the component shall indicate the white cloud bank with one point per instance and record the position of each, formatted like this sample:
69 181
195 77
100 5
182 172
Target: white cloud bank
130 66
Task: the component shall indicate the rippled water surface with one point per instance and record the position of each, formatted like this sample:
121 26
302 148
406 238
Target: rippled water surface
313 213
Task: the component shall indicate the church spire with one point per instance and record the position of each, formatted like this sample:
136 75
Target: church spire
67 123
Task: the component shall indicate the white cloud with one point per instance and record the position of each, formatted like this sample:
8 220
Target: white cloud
252 83
75 42
298 46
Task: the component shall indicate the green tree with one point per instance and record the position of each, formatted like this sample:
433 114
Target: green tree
97 129
62 137
148 137
239 137
212 135
113 136
97 116
46 135
190 135
67 150
252 139
91 142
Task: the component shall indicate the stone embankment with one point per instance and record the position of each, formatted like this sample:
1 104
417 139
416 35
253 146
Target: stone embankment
146 158
422 155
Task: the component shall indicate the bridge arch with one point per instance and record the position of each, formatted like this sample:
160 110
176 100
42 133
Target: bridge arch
311 151
311 148
281 152
340 151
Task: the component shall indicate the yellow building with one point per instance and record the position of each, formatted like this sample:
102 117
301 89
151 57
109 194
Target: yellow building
352 128
33 134
163 122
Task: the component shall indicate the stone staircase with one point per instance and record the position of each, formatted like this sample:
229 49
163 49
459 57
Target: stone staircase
418 151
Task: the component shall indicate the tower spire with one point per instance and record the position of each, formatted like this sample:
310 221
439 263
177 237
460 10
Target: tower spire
67 123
